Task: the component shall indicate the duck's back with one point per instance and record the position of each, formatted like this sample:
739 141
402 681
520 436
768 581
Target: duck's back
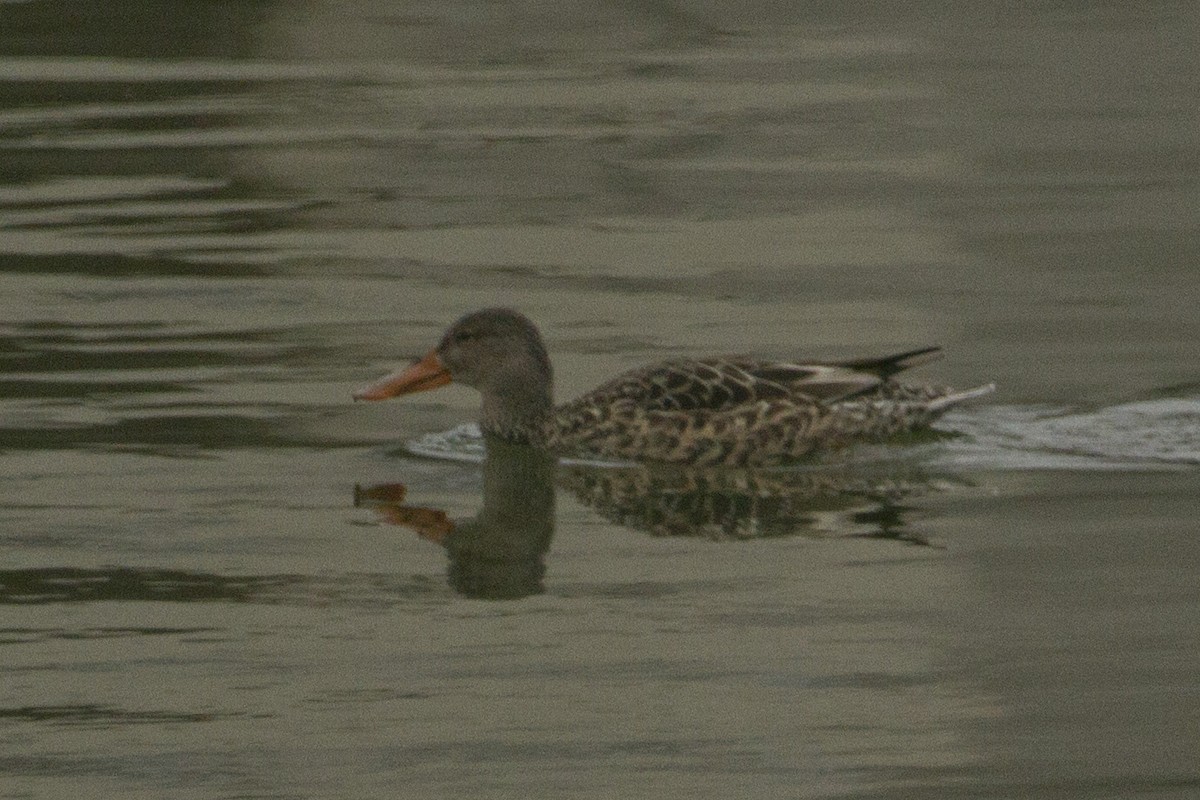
723 383
740 411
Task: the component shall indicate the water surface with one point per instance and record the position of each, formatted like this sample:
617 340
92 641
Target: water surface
223 579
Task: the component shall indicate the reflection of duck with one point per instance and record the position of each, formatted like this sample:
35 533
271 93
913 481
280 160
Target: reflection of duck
499 553
743 504
730 411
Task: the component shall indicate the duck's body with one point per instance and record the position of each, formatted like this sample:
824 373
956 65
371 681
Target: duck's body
729 411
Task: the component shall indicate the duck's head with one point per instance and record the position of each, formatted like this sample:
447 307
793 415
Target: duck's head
497 351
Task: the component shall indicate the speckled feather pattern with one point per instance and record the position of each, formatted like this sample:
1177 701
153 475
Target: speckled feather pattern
723 383
755 433
728 411
740 411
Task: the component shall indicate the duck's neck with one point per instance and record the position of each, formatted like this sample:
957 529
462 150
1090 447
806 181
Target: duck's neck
518 411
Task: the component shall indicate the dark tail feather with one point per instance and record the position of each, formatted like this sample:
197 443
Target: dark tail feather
888 366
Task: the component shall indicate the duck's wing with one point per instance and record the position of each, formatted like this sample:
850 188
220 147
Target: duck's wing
687 385
833 381
718 384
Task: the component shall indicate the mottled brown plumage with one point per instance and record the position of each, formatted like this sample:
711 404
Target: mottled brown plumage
720 411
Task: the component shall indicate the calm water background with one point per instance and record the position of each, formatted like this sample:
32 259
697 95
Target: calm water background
217 219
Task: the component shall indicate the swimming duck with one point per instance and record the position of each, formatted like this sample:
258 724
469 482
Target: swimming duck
731 411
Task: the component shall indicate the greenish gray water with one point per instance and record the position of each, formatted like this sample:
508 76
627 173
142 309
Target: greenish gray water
216 220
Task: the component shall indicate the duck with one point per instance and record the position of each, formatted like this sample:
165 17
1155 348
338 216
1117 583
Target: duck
718 411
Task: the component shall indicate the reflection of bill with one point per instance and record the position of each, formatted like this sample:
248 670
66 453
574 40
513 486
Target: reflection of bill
499 553
387 499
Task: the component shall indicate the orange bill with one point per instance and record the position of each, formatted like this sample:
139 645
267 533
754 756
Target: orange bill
426 374
428 523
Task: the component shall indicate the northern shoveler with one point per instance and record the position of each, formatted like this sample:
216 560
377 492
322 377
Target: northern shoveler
727 410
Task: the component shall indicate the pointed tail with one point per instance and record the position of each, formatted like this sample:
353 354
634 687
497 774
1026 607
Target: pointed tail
888 366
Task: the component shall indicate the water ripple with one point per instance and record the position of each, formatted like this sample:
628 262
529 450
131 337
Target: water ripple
1148 434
